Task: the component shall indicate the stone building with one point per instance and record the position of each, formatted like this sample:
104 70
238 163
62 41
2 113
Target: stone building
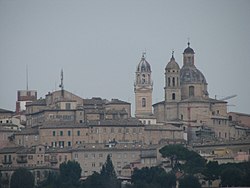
186 100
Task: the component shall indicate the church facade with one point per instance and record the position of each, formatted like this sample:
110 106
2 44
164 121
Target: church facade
186 100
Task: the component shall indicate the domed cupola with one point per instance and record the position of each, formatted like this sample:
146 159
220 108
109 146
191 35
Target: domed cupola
172 65
188 50
143 66
189 73
193 82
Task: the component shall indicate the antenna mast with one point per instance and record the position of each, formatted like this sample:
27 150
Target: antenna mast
61 85
27 78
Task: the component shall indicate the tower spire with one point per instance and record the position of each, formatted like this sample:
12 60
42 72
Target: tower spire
188 42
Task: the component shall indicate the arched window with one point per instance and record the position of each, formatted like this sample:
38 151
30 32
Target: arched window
191 91
143 102
143 79
173 81
230 118
173 96
169 81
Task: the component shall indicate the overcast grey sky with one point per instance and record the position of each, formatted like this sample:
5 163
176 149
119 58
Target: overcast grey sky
99 44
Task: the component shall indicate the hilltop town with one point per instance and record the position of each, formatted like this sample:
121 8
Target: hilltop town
44 132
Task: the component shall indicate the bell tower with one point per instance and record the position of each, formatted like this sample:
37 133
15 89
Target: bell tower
172 81
143 88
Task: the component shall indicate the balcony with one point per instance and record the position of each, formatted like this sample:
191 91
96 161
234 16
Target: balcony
21 160
7 162
53 161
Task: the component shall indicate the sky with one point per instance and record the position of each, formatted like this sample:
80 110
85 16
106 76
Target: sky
98 44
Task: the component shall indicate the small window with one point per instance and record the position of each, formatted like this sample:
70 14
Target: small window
67 106
173 96
69 133
168 81
61 133
143 102
173 81
191 91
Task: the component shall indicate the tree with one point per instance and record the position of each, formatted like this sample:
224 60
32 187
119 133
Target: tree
94 181
211 171
22 178
153 177
70 174
231 176
108 169
194 163
108 174
52 181
189 181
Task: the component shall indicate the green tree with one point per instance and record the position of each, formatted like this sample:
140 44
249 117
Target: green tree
211 171
0 179
189 181
153 177
108 169
231 176
94 181
22 178
108 174
70 174
52 181
194 163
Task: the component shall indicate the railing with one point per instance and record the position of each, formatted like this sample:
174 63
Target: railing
7 162
21 160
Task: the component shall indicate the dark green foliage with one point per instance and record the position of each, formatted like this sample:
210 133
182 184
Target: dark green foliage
0 179
106 179
231 176
235 174
108 169
22 178
152 177
194 163
189 181
211 171
52 181
70 174
94 181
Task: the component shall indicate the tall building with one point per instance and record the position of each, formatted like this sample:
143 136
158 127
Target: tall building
143 89
187 100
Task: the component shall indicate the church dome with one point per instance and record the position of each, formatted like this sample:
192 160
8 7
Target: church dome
143 66
188 50
172 64
190 74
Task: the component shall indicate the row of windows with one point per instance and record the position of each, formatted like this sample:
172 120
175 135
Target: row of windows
175 82
61 133
219 122
104 130
61 117
60 144
100 155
